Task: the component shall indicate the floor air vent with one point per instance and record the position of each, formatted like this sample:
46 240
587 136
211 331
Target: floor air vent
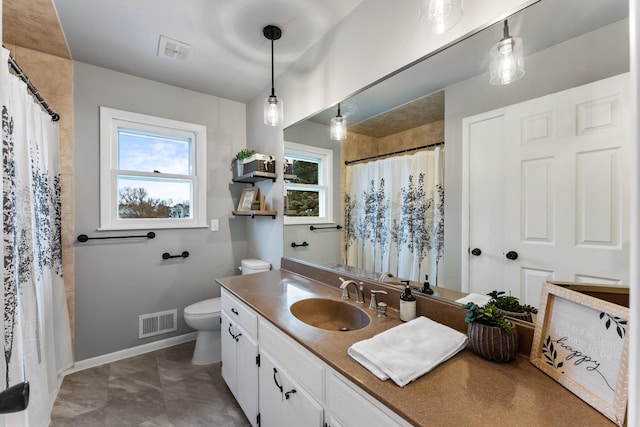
157 323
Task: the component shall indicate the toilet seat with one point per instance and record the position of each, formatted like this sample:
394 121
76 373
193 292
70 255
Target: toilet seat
204 308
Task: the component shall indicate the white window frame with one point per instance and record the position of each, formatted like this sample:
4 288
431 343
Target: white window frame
325 182
110 120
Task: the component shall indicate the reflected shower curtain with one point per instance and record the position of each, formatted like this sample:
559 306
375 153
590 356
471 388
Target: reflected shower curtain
37 343
394 215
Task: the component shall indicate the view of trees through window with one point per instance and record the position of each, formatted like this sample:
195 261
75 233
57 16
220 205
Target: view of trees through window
137 203
304 203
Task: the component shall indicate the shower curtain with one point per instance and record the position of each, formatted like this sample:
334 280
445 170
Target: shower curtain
394 215
37 342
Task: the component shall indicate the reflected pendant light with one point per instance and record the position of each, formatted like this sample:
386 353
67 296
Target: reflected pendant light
440 15
273 110
338 129
506 59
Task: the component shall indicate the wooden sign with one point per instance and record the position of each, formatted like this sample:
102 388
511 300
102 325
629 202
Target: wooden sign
582 342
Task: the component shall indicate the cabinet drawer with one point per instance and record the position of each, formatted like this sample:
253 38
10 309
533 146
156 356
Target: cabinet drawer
239 313
304 367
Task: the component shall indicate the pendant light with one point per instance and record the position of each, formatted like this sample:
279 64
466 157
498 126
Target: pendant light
273 111
338 129
506 59
440 15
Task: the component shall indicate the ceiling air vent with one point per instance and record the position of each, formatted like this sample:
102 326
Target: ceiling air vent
174 49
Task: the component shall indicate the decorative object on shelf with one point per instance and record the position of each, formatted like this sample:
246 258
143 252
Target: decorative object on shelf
83 237
273 111
259 163
511 306
440 15
582 342
247 197
506 59
238 162
338 127
490 334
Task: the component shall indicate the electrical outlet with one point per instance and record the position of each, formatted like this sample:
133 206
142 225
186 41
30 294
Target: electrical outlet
215 225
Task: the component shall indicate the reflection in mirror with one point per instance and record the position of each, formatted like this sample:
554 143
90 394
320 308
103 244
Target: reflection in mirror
568 45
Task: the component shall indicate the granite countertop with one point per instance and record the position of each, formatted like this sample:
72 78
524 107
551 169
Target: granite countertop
464 390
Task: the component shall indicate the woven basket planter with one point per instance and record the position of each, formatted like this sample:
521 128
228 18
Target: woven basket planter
526 317
493 343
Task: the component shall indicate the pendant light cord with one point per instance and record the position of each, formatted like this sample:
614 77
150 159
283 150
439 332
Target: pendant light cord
273 91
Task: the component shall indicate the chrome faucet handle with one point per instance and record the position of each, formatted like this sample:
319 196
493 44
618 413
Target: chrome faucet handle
373 303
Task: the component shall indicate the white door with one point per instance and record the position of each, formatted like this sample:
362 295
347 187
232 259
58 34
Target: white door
548 191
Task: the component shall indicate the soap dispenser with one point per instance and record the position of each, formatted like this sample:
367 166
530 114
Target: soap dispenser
425 287
407 304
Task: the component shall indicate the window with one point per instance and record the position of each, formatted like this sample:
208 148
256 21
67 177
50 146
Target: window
309 194
152 172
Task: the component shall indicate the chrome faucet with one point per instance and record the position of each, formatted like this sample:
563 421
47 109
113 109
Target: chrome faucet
359 290
384 276
373 303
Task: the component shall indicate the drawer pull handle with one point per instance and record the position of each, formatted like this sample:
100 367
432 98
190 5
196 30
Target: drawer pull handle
290 392
275 380
234 311
231 333
237 337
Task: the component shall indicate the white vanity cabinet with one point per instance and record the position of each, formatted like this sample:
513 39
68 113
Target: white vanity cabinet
240 353
283 402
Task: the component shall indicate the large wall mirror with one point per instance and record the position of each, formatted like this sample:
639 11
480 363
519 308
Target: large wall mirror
499 223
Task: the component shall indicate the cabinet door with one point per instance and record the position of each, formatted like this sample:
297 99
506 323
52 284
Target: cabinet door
350 406
247 373
283 403
228 344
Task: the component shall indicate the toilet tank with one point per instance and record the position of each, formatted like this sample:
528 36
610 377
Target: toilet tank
253 265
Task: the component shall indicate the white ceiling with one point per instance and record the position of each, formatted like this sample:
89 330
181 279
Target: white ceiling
231 57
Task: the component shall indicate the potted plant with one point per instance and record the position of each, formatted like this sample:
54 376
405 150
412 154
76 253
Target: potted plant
511 306
491 335
240 156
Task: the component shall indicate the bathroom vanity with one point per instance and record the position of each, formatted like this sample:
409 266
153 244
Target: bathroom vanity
305 377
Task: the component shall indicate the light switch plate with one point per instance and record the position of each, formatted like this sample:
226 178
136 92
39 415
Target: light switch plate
215 225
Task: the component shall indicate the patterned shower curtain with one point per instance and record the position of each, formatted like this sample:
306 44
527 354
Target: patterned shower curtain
394 215
37 342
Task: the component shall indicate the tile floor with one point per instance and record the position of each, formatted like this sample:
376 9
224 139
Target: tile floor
157 389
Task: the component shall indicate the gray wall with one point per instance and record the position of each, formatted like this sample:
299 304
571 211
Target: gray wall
594 56
118 280
324 245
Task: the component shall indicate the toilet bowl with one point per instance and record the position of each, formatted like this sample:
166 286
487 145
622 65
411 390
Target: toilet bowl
204 317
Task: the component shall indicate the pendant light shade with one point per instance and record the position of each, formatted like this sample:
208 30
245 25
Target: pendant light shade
506 59
338 129
273 111
440 15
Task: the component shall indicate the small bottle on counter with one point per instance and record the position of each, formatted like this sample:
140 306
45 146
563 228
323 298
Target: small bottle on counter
407 304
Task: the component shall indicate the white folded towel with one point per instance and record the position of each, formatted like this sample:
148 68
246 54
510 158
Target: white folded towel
408 351
478 299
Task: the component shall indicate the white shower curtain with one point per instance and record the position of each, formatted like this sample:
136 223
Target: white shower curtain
37 342
394 215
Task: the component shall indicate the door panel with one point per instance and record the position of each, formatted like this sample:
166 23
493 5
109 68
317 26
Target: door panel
563 163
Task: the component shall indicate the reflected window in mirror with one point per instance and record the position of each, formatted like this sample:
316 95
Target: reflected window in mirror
308 184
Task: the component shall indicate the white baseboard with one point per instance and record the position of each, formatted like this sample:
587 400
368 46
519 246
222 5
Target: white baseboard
129 352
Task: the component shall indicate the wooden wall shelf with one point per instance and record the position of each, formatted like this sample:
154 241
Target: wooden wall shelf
254 214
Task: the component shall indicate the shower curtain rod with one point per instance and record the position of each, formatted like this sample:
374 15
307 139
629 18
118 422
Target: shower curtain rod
422 147
16 69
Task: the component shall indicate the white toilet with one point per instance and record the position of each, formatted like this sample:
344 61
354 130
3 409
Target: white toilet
204 317
254 265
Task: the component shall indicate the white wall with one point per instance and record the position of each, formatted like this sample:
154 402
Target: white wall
118 280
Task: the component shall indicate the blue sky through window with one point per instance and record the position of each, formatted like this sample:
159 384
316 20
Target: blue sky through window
147 153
